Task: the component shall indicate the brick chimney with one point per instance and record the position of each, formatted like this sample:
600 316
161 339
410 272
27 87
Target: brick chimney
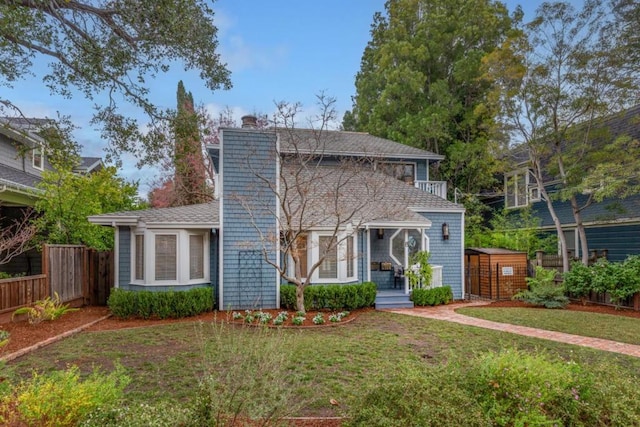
249 122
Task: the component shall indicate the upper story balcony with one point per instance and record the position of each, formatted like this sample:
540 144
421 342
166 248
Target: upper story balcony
439 188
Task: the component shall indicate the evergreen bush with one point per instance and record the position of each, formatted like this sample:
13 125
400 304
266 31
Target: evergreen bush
163 305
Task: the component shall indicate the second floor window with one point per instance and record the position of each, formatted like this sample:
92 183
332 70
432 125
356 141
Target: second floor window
38 157
515 189
403 171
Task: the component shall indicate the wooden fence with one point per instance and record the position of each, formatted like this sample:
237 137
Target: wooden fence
21 291
79 275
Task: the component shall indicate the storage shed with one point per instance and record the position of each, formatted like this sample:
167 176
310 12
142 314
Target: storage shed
495 273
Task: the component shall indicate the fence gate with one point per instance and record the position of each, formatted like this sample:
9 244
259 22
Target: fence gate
78 274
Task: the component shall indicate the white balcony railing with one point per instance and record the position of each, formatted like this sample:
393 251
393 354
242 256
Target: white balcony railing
439 188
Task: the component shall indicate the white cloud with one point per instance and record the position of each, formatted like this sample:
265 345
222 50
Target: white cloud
241 56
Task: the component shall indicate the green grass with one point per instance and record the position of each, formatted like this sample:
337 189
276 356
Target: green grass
166 362
596 325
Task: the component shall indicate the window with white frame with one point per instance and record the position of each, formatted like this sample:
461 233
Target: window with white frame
516 186
37 157
340 257
176 257
139 258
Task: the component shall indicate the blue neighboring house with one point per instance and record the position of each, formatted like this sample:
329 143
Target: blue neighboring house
612 225
374 195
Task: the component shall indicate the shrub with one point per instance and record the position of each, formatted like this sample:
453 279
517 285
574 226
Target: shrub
543 291
433 296
61 398
333 297
170 304
50 308
246 377
4 337
577 281
162 414
509 388
420 272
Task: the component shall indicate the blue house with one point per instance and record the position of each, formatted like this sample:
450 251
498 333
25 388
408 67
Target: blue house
612 225
321 206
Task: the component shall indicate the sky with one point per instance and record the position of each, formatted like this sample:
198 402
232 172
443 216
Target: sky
277 50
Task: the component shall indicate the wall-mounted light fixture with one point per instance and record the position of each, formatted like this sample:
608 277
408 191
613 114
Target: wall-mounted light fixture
445 231
380 233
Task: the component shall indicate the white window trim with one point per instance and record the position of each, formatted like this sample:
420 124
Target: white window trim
525 188
37 149
314 253
182 257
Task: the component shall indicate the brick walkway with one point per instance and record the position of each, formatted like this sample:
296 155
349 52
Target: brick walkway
447 313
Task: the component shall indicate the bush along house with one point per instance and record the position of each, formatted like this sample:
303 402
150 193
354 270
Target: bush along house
297 206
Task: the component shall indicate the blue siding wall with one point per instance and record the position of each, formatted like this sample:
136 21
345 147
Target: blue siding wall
247 280
124 257
620 241
447 253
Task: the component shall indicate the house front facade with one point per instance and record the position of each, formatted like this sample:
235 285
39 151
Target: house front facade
339 207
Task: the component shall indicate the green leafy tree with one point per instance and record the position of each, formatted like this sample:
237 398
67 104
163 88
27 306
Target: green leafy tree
110 49
555 81
69 199
192 175
419 84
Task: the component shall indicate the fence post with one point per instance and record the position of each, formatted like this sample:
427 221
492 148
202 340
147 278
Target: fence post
539 257
636 301
45 268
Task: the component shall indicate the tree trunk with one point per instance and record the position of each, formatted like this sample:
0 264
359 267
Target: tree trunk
582 233
300 298
558 224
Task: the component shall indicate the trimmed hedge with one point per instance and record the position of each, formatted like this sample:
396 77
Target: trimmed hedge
160 304
333 297
432 296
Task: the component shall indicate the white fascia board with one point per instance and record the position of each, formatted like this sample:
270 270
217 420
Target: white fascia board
182 225
400 224
438 210
113 220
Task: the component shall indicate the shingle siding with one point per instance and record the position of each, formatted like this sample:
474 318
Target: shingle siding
124 257
447 253
247 280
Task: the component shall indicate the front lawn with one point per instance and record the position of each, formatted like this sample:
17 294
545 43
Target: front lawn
311 368
596 325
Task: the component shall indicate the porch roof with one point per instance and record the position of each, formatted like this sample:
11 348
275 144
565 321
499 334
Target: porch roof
204 215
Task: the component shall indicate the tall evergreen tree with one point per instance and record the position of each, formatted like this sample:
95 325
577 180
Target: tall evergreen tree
419 83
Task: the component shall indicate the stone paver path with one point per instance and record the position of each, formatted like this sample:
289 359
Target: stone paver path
447 313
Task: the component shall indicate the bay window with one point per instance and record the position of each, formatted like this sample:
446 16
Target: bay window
169 257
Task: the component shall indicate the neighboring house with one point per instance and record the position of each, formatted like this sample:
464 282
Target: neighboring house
23 159
260 179
612 225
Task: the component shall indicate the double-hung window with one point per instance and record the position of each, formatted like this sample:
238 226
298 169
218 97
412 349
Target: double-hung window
37 157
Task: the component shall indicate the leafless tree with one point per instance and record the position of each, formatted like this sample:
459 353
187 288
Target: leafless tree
16 236
316 190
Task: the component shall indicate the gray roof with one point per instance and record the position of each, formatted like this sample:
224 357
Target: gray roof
201 215
17 178
339 194
87 164
341 143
